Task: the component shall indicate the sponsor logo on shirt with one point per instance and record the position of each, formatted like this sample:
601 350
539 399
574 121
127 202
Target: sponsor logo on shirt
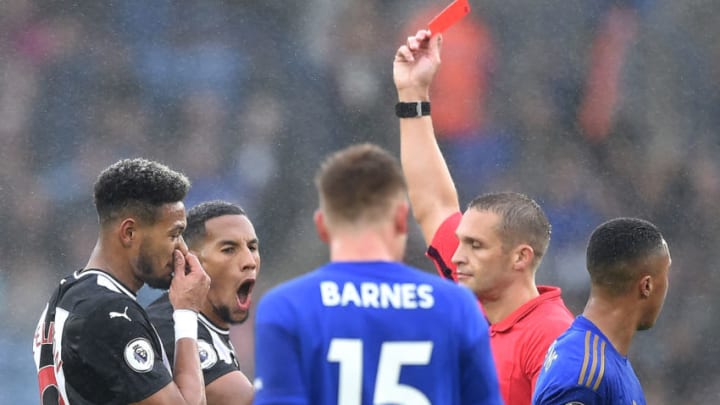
550 357
120 315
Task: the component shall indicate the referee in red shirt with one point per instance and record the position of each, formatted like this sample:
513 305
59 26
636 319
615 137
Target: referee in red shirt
494 248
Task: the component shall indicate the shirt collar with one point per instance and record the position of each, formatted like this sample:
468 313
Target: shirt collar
547 293
106 280
211 325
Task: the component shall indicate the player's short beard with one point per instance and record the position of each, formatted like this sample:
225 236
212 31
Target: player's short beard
146 269
223 312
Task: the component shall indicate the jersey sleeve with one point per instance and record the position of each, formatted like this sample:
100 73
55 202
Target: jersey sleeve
278 377
119 344
443 247
213 366
560 394
479 382
161 319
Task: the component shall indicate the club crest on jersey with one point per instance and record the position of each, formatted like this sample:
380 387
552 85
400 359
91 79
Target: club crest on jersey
550 357
139 355
208 357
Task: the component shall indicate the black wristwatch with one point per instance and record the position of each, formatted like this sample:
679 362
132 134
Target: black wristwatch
413 109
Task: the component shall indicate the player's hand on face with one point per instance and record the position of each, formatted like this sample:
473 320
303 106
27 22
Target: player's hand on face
416 63
183 247
190 284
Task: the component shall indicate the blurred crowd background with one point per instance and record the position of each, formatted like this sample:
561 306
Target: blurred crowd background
596 108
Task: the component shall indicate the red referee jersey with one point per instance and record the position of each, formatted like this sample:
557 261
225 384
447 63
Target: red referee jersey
519 342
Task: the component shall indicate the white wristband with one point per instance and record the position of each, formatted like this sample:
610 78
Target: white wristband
186 324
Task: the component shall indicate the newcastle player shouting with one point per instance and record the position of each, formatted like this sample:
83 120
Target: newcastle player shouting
224 240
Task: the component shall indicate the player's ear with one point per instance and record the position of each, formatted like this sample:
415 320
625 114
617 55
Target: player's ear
128 232
646 286
401 218
523 257
320 226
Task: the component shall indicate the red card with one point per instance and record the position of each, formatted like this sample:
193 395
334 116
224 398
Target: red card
452 14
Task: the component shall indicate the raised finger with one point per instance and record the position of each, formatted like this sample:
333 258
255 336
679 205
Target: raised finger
193 263
413 43
178 264
404 54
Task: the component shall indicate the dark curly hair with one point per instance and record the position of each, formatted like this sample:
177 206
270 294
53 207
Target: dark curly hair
203 212
137 186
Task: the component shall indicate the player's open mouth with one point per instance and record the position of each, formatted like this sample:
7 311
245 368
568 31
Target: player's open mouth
244 292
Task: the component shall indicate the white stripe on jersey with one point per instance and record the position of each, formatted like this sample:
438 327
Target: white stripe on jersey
61 316
224 352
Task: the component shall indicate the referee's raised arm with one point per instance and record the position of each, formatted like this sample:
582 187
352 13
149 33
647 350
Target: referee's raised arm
431 189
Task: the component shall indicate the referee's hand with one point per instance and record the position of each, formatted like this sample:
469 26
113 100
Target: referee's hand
190 284
415 65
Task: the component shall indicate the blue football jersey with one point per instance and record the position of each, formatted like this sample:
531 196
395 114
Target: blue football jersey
356 333
583 367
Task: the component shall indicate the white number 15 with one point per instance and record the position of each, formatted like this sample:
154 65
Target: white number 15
393 355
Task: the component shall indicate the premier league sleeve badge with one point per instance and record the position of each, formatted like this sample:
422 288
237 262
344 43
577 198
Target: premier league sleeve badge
139 355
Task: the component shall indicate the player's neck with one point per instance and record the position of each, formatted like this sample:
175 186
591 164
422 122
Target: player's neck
508 301
362 246
617 321
102 259
209 312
